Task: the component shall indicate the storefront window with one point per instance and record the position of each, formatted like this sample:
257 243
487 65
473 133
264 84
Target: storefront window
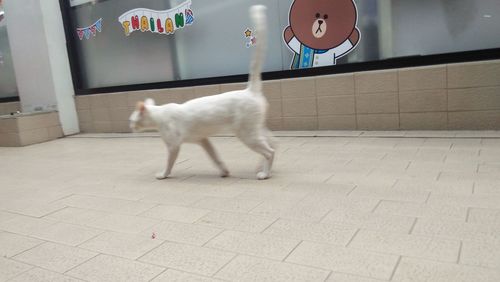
115 52
8 86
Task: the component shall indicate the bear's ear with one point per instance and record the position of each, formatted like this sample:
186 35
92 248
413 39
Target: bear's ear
288 34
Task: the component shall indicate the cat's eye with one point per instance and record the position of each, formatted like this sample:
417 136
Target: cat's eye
325 17
318 15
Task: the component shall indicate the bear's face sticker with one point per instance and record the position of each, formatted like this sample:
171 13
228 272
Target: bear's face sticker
321 26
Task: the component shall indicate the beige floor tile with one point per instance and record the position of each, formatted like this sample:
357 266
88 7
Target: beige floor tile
475 200
315 232
76 215
66 233
407 245
13 244
199 260
122 245
485 216
193 234
175 213
177 276
422 210
108 268
25 225
341 259
55 257
236 221
10 269
42 275
272 247
483 254
370 221
227 205
341 277
410 269
123 223
457 230
245 268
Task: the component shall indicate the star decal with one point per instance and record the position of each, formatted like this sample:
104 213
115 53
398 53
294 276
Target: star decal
248 33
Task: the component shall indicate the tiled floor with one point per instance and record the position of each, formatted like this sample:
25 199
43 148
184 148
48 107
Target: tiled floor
358 206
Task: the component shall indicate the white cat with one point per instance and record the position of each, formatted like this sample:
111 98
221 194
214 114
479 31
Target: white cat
242 112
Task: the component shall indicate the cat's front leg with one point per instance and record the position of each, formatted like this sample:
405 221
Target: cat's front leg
173 152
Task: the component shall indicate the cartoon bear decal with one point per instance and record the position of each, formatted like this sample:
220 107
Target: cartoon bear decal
321 31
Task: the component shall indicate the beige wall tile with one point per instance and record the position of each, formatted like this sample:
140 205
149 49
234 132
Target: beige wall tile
335 85
183 94
102 126
272 89
118 100
299 107
84 116
423 101
82 102
474 120
120 127
378 122
338 105
298 88
275 109
207 90
337 122
474 74
376 81
99 101
10 140
87 127
471 99
232 87
424 121
34 136
12 107
275 123
55 132
382 103
8 125
31 122
100 114
422 78
120 114
300 123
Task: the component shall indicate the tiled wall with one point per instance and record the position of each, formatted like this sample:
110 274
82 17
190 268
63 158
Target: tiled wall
10 107
25 130
456 96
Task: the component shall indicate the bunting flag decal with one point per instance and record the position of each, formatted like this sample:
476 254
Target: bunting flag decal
89 30
161 22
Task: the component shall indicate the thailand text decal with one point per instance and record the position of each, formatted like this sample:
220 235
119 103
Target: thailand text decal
92 29
163 22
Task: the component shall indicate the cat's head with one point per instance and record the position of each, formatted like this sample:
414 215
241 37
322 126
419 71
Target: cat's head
141 120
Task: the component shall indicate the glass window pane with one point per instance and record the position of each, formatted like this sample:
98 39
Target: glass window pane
8 86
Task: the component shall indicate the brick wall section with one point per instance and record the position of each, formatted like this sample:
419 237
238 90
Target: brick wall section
455 96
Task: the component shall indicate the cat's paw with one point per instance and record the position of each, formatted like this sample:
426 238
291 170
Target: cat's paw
161 175
224 173
262 175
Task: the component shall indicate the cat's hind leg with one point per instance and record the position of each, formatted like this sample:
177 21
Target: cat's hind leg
173 153
209 148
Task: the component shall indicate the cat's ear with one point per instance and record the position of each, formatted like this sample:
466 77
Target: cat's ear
150 102
140 107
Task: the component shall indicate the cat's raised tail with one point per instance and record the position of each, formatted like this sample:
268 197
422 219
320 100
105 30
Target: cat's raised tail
258 16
